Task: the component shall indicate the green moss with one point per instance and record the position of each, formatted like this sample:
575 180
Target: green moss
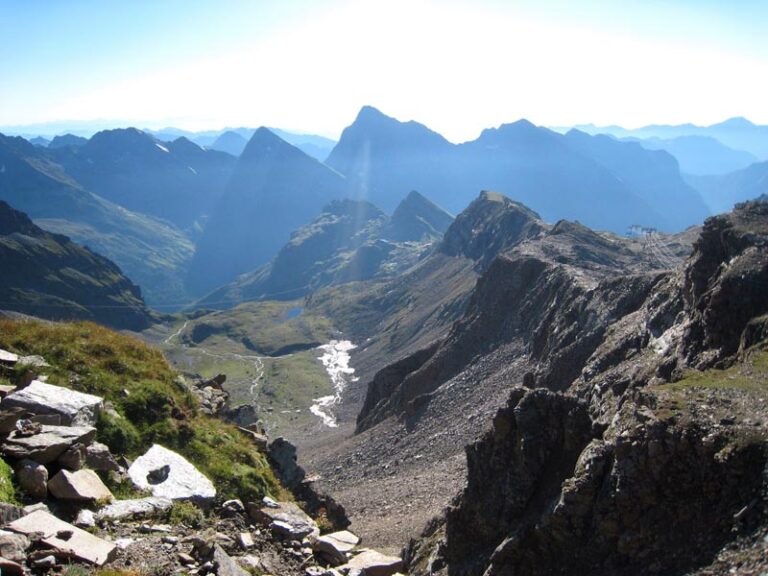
152 405
187 514
750 375
7 489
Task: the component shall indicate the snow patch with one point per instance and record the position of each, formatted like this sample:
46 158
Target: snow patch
335 358
163 148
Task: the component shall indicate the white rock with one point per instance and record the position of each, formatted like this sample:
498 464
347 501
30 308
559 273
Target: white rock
47 445
373 563
169 475
334 547
8 357
75 408
85 519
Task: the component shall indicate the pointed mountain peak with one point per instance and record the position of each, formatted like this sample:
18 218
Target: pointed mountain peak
369 113
12 222
417 218
264 142
736 122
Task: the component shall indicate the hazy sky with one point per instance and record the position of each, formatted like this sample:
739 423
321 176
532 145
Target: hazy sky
457 66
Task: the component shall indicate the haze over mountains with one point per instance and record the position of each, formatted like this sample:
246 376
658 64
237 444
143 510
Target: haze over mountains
182 218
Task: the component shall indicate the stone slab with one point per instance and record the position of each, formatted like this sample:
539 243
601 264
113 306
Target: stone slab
75 408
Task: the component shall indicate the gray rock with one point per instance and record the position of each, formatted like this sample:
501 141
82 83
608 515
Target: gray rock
13 546
9 513
9 417
73 458
85 519
46 446
81 486
225 565
334 547
33 361
233 507
98 457
285 519
45 562
29 509
182 481
372 563
75 408
121 509
245 540
65 537
33 478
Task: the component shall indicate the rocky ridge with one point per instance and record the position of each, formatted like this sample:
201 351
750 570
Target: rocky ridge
637 446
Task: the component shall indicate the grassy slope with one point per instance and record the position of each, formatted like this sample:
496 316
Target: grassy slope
238 343
145 391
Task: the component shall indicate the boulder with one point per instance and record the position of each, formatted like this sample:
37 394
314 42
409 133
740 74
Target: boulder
283 455
120 509
8 358
65 537
285 519
169 475
81 486
73 457
9 417
98 457
372 563
33 478
13 546
6 389
75 408
225 565
47 445
334 547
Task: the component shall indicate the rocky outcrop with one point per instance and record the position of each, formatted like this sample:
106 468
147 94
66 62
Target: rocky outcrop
599 463
74 408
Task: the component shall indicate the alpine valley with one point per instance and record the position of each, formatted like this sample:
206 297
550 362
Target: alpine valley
251 350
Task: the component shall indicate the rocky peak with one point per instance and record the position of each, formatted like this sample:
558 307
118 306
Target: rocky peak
416 218
490 224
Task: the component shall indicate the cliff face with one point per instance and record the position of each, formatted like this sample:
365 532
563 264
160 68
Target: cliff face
616 453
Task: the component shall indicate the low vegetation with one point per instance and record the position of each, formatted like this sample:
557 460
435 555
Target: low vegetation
151 403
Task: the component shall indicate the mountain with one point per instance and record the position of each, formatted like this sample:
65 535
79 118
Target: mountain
557 176
383 158
350 241
230 142
317 147
651 175
724 191
275 188
39 141
607 451
49 276
152 253
700 155
417 218
177 181
737 133
67 140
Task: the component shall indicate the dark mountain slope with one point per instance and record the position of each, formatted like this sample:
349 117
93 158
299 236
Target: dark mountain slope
178 180
275 189
152 253
49 276
624 449
67 140
654 176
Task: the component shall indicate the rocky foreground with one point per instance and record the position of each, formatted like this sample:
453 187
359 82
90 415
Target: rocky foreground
169 517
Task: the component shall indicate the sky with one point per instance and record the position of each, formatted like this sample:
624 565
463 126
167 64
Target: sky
456 66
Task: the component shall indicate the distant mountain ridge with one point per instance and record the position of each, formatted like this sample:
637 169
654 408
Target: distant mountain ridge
49 276
350 241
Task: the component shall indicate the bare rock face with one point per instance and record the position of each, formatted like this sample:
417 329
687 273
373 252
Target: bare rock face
75 408
48 444
169 475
